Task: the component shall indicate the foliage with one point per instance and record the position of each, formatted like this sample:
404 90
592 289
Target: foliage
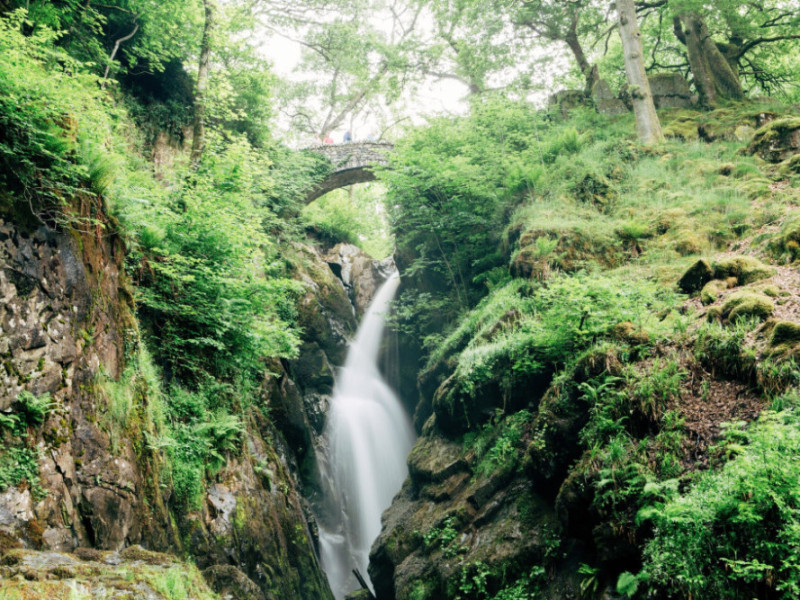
552 323
20 465
733 534
356 216
43 91
497 446
210 285
449 186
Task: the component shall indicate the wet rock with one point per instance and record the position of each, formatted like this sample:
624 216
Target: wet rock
360 273
435 460
312 370
324 312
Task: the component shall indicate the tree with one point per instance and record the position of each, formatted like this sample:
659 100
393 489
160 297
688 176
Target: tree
726 46
198 129
647 123
567 22
470 41
715 76
358 55
118 35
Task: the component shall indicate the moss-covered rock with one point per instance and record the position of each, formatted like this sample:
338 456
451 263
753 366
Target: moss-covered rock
597 190
712 290
689 242
30 575
785 332
790 166
683 128
747 304
230 583
778 140
746 269
786 245
696 277
784 339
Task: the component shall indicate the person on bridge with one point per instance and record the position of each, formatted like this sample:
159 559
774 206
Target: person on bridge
327 140
348 137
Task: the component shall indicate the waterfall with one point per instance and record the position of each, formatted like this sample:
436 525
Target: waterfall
369 436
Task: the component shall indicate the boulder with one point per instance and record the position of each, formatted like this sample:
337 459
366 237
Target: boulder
778 140
605 101
670 90
696 277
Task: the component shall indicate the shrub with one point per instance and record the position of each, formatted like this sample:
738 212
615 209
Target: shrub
722 349
734 534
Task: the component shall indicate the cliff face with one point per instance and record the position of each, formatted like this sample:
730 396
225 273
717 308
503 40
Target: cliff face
67 318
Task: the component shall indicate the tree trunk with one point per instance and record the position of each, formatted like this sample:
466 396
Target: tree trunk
199 130
714 76
647 124
589 70
113 54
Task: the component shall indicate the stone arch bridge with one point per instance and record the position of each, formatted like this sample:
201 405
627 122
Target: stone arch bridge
352 163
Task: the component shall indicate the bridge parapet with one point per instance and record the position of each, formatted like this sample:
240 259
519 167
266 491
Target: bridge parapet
352 163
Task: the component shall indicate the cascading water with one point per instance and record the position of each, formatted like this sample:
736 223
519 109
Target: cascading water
369 436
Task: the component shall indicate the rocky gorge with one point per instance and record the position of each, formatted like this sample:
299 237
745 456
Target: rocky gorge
69 325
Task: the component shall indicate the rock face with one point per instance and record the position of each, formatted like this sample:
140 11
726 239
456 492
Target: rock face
452 522
67 315
361 275
67 323
252 532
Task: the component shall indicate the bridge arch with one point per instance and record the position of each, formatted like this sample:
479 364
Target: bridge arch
352 163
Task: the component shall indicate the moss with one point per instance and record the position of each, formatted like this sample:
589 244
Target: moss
773 291
696 277
8 542
784 339
747 304
773 142
137 553
711 291
790 166
787 244
746 269
683 128
688 242
597 190
785 332
668 219
628 332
